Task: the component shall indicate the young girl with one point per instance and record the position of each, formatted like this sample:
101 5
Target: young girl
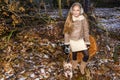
76 34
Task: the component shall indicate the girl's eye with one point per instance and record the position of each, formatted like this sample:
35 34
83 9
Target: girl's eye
76 10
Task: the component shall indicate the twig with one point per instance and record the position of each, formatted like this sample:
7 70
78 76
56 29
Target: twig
9 36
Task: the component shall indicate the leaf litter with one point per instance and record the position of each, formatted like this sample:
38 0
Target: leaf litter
35 53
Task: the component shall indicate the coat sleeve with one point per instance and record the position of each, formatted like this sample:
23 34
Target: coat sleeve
86 32
66 38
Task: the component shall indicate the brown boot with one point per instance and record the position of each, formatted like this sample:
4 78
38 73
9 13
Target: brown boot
74 64
82 67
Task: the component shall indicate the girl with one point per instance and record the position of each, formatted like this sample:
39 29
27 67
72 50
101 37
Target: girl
76 34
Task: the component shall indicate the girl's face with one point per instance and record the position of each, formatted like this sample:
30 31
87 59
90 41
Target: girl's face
76 11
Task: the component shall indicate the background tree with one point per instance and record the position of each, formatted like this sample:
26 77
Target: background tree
60 8
68 3
86 5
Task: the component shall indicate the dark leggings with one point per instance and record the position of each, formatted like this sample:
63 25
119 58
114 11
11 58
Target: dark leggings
84 52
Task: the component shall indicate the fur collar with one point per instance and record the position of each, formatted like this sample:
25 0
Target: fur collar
81 17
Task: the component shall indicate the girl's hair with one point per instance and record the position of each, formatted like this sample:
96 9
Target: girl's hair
68 23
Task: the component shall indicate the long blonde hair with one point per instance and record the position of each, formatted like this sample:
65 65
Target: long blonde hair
68 23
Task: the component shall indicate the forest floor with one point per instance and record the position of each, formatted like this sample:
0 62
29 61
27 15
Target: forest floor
35 53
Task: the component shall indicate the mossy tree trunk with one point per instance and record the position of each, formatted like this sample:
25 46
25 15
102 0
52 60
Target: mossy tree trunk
60 8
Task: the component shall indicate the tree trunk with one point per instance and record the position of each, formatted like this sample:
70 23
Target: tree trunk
60 8
86 5
68 3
